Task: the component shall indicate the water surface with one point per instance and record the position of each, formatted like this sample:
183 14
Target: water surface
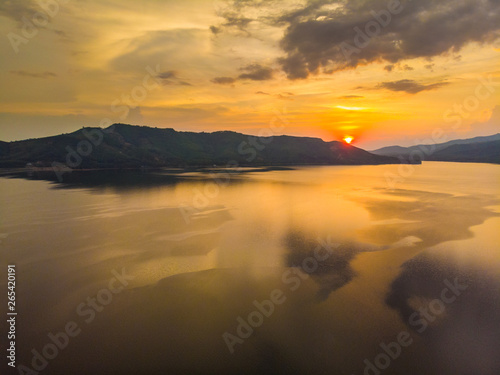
201 247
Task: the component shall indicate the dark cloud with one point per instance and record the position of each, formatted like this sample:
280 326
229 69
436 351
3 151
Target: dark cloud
256 72
215 29
331 35
391 67
21 11
224 80
166 75
169 77
351 97
233 20
323 34
239 14
410 86
253 72
295 66
17 9
24 73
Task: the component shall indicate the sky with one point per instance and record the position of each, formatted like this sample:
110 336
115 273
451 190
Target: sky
383 72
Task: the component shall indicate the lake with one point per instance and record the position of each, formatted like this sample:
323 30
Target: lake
314 270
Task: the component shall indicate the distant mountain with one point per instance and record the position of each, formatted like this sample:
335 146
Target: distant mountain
481 152
475 150
128 146
4 148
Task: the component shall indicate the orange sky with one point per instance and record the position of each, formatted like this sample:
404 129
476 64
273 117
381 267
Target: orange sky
233 65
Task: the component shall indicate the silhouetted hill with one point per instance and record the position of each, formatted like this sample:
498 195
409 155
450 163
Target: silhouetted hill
483 152
123 146
475 150
4 148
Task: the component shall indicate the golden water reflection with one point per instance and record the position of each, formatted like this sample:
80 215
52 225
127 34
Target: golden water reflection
201 253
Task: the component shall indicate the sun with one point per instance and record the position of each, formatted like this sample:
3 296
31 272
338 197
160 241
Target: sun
348 139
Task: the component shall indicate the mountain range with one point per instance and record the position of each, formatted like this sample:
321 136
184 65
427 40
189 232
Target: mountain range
484 149
129 146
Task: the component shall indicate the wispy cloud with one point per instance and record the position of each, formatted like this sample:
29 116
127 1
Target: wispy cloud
410 86
224 80
24 73
284 95
253 72
256 72
170 77
351 97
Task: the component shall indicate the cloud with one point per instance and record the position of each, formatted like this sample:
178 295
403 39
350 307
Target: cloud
238 15
284 95
24 73
21 11
410 86
491 125
166 75
253 72
322 35
215 29
351 97
169 77
175 47
17 9
256 72
134 116
391 67
235 20
224 80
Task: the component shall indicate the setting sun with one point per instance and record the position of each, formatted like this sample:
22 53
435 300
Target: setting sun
348 139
